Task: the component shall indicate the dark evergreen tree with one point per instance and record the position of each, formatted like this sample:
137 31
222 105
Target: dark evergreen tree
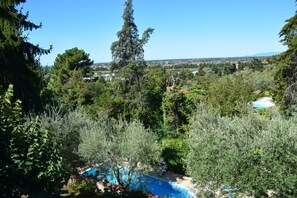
285 78
127 51
66 79
18 64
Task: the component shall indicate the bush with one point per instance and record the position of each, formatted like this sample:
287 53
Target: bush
82 189
30 163
174 152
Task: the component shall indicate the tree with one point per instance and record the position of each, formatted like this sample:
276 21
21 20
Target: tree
174 152
120 146
285 77
228 95
18 64
256 65
127 51
254 152
185 75
72 59
66 128
176 111
66 81
153 88
229 69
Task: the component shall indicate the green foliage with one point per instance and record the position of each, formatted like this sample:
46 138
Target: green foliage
10 120
82 189
176 111
229 69
128 64
185 75
285 77
119 144
30 163
34 153
254 152
256 65
98 98
66 80
153 88
223 69
72 59
259 83
228 95
198 89
18 64
174 152
144 105
127 51
66 128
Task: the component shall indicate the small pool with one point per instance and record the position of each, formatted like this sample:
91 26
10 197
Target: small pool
154 185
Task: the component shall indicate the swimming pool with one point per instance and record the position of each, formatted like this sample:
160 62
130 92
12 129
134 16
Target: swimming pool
154 185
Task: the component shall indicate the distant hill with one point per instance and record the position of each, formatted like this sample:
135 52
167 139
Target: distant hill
266 54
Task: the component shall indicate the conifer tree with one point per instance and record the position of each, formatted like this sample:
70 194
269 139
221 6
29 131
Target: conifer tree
127 51
285 78
18 64
66 79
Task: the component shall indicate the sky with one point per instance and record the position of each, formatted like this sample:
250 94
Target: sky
183 28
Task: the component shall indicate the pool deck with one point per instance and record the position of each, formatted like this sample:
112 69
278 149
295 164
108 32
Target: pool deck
181 180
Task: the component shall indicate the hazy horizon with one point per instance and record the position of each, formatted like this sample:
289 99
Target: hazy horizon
182 29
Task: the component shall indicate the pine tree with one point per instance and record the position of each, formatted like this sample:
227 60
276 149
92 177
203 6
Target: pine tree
127 51
18 64
66 79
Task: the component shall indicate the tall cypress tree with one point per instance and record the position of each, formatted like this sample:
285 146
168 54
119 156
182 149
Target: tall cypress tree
127 51
18 63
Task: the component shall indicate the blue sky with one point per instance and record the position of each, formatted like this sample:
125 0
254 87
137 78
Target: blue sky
183 28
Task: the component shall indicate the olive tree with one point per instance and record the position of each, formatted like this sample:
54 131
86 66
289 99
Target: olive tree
66 127
254 152
119 145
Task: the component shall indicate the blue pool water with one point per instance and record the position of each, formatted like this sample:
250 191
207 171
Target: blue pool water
154 185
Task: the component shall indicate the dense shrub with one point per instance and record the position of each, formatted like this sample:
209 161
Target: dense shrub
174 152
82 189
30 163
